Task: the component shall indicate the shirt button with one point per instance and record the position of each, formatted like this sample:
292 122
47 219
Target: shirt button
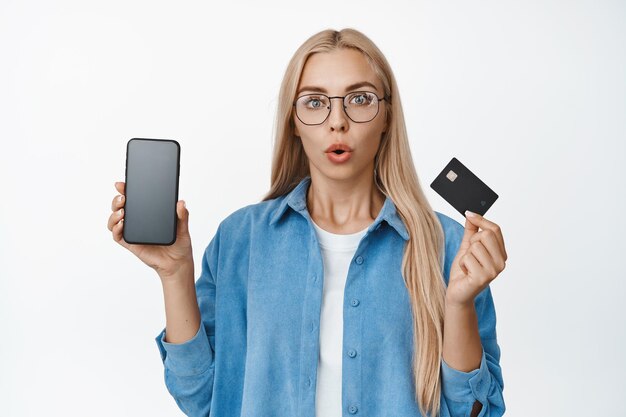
359 260
352 353
308 382
354 302
352 409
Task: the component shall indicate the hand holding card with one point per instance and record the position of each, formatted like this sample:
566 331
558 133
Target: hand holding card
481 255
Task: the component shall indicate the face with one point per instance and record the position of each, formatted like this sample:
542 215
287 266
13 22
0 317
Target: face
339 73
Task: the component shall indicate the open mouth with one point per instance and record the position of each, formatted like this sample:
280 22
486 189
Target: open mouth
339 156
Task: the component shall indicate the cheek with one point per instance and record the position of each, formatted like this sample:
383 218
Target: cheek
370 141
312 144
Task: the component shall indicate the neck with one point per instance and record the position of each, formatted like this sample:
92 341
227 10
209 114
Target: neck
344 206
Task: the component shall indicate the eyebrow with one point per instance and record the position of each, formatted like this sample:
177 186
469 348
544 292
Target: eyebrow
348 88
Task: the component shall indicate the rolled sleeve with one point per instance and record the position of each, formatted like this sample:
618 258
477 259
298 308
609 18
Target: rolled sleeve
192 357
464 386
484 384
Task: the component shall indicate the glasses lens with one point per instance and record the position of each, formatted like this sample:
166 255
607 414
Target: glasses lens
361 106
312 109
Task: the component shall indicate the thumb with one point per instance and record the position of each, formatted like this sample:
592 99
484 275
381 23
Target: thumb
183 218
470 230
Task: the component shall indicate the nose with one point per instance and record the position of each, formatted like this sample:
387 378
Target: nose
337 119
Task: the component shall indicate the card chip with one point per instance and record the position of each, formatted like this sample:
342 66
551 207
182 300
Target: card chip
451 175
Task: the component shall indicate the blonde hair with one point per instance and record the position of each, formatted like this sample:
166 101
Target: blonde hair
395 176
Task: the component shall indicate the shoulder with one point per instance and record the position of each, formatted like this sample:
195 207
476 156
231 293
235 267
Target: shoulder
452 229
235 232
255 214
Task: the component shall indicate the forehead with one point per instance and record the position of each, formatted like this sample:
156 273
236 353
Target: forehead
335 70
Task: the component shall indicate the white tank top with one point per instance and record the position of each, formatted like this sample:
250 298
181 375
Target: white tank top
337 252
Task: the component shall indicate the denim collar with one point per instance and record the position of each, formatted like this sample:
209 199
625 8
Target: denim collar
296 199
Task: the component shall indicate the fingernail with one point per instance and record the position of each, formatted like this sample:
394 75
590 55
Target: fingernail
119 212
120 198
184 204
470 213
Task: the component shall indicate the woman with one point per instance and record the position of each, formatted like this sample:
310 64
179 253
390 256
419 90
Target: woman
342 292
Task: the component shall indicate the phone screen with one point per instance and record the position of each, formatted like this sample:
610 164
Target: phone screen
152 170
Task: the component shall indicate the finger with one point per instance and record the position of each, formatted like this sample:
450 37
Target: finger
484 258
183 217
114 218
490 242
462 265
120 187
474 268
470 230
118 230
118 202
481 222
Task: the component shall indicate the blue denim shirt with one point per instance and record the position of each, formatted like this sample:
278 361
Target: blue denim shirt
260 292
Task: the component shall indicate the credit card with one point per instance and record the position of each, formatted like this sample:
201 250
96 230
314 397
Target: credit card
463 190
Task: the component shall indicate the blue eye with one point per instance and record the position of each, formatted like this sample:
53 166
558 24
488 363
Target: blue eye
361 99
315 102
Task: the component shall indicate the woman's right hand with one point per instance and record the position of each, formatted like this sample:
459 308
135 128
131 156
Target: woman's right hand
165 260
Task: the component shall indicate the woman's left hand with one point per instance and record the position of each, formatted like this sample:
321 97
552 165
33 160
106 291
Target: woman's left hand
481 257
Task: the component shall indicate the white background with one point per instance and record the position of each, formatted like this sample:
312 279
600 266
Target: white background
530 95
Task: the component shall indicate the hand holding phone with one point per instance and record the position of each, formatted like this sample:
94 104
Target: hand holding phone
167 258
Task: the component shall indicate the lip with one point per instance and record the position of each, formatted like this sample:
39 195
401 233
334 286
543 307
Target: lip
336 146
338 158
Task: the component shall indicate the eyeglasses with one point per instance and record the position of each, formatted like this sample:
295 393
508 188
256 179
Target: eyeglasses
360 107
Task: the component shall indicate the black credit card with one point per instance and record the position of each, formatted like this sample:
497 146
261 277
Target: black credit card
463 190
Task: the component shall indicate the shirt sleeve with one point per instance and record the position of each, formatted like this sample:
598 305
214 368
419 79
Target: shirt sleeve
461 390
189 366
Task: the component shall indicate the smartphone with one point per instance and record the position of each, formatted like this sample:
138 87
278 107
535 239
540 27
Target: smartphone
152 170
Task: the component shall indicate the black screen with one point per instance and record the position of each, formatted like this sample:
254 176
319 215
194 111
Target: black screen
152 167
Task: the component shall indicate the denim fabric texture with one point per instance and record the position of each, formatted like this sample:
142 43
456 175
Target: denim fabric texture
260 291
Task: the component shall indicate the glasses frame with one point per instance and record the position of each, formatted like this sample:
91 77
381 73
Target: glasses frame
343 98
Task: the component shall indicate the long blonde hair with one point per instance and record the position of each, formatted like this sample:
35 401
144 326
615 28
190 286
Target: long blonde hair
396 177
